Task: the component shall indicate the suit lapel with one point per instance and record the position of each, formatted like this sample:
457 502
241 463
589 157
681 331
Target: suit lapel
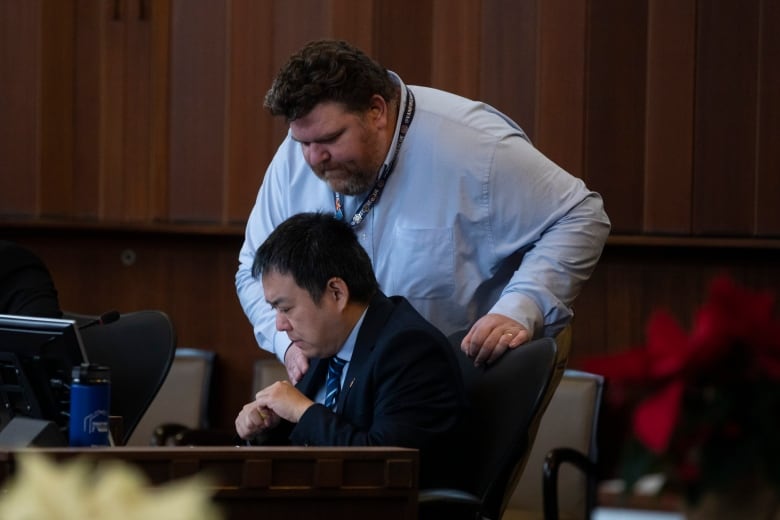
314 378
379 310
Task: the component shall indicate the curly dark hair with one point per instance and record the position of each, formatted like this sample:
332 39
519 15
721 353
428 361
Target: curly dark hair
327 70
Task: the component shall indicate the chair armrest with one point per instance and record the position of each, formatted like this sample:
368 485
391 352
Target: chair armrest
446 495
453 504
552 464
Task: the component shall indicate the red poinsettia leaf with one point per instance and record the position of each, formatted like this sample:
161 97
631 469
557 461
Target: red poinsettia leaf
751 306
732 313
667 345
656 417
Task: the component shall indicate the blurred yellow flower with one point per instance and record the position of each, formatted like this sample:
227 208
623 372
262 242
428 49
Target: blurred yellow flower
80 489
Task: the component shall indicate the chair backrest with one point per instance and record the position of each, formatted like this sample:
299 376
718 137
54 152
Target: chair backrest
139 348
267 371
506 401
183 398
570 421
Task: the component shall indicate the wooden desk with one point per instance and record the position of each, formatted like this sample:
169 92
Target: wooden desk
277 482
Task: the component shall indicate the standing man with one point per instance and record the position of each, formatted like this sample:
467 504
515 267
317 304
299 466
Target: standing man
457 210
396 380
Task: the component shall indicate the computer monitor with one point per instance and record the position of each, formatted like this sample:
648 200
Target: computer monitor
37 356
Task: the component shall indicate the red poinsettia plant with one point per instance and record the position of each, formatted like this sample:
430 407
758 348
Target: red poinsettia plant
705 403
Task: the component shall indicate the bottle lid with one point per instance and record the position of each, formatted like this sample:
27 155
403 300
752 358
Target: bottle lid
91 373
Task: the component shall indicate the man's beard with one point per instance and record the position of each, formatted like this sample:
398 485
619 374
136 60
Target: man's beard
355 183
358 184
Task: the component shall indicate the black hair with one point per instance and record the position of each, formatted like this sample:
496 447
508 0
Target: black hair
313 248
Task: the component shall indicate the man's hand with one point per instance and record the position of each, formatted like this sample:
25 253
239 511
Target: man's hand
278 401
254 419
284 400
491 336
296 364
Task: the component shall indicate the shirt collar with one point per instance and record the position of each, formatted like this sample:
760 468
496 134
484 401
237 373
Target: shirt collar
399 116
349 345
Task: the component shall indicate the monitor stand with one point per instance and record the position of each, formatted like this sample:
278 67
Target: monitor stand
24 431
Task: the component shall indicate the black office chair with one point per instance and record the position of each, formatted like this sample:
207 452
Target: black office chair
184 398
569 424
507 400
578 499
139 347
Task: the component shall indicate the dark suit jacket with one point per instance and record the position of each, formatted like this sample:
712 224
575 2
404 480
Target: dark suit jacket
402 388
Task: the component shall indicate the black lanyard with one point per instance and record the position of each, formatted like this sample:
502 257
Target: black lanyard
373 197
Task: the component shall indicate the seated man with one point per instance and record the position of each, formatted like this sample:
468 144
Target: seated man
26 287
399 383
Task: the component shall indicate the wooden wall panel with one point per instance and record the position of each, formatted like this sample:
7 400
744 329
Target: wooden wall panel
403 38
726 117
353 21
113 21
116 113
592 321
614 112
198 102
249 125
604 87
136 147
296 22
56 112
87 114
159 132
624 305
560 122
768 170
20 63
671 67
291 31
456 41
508 59
634 281
119 118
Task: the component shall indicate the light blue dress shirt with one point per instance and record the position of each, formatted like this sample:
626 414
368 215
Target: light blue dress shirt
468 199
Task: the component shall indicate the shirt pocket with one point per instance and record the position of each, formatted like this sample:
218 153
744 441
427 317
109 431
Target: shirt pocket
425 263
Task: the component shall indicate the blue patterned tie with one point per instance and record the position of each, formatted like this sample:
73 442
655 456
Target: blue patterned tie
333 382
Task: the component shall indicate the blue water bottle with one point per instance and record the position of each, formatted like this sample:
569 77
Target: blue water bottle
90 395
